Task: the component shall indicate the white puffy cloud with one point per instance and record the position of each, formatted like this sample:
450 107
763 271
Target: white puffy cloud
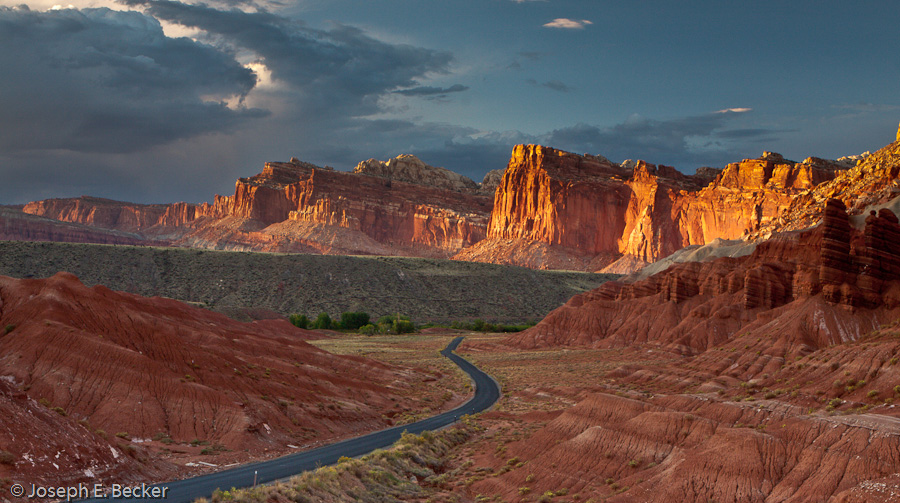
568 24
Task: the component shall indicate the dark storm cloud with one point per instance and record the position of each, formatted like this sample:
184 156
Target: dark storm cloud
99 80
673 141
337 69
432 91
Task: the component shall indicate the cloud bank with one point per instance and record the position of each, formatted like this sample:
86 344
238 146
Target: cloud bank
99 80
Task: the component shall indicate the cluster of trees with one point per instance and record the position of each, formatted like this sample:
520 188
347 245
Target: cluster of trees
356 321
395 324
479 325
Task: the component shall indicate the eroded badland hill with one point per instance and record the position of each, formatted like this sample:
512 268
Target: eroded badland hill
101 386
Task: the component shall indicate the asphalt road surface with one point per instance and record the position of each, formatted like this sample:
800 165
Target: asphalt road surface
486 394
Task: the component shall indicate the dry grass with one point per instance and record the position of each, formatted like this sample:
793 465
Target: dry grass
415 468
536 380
450 387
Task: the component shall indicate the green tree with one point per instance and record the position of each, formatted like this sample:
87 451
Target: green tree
354 320
402 326
368 329
323 322
299 320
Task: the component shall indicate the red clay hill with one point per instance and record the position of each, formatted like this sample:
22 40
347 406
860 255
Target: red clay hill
99 385
780 382
549 209
784 390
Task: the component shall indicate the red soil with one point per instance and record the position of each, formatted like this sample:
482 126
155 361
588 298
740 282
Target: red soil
157 368
784 391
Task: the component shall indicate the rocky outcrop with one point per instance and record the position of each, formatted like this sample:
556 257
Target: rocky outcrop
870 182
836 265
16 225
491 181
589 207
546 193
298 206
99 212
880 262
409 168
695 303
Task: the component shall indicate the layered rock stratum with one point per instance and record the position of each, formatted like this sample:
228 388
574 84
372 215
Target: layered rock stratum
548 209
585 211
401 207
849 278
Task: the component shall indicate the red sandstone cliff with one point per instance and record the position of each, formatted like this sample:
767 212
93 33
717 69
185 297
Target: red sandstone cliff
17 225
779 385
415 209
832 284
551 209
584 206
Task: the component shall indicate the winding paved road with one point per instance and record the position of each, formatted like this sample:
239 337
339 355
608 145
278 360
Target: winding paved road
183 491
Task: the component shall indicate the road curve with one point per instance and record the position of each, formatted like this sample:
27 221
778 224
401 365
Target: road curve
183 491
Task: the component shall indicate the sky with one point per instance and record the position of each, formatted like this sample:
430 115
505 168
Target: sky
172 100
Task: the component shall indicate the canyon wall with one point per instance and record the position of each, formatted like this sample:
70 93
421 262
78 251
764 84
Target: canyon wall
831 284
403 206
549 209
589 207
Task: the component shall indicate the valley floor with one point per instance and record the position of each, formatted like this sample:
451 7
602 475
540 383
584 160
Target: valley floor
638 425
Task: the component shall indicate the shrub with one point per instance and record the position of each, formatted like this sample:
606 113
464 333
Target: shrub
212 450
403 326
299 320
367 329
323 322
395 324
9 328
354 320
